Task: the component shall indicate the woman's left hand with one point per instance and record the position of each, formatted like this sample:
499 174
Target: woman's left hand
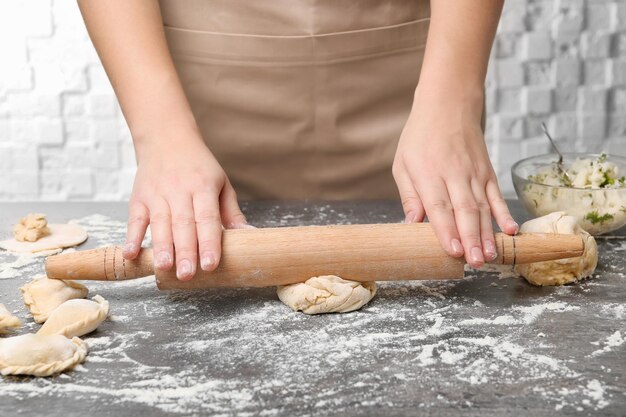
442 170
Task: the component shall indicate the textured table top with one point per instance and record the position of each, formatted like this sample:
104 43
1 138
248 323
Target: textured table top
490 344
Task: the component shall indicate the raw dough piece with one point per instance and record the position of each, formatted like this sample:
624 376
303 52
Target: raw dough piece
562 271
40 355
8 321
76 317
61 236
31 228
43 295
327 294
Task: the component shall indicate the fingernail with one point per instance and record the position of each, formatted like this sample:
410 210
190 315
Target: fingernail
476 255
410 218
183 269
240 226
514 225
129 248
163 260
207 261
457 248
490 250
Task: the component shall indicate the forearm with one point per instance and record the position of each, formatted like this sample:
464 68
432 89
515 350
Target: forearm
459 42
129 38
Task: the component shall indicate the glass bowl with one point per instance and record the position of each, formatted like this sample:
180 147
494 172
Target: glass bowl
597 211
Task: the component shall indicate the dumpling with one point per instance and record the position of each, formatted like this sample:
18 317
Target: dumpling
43 295
76 317
40 355
327 294
8 321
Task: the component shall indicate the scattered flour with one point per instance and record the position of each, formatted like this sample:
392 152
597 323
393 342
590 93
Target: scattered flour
105 230
503 271
23 263
506 319
592 394
247 349
531 313
596 392
612 341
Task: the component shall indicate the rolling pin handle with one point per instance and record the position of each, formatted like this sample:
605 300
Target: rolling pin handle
527 248
102 264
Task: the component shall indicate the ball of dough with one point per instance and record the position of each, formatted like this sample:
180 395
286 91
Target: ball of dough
327 294
561 271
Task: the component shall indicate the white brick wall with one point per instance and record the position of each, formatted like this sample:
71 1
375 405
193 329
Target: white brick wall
563 62
62 135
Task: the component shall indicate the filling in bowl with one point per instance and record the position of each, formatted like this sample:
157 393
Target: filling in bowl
594 191
583 173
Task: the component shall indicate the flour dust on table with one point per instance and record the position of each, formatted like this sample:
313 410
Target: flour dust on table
441 347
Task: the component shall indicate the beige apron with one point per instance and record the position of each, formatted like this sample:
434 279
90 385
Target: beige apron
300 99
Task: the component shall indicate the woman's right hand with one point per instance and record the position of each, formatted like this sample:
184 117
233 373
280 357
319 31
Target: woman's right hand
183 193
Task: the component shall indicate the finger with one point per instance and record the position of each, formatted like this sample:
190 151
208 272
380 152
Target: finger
161 229
467 221
486 229
499 209
434 196
231 215
208 229
138 220
411 203
185 238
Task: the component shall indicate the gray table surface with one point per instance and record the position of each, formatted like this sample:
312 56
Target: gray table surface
490 344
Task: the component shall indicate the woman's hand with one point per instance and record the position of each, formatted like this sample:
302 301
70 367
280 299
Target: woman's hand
185 196
443 171
180 189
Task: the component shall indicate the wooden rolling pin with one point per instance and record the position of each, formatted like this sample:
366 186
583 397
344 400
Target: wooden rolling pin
286 255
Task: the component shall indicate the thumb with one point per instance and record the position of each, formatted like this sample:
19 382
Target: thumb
232 217
411 203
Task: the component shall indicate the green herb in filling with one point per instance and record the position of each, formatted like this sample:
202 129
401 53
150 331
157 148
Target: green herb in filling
607 180
537 178
564 177
596 218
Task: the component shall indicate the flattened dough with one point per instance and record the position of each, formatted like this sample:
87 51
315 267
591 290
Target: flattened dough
43 295
327 294
40 355
561 271
61 236
8 321
76 317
